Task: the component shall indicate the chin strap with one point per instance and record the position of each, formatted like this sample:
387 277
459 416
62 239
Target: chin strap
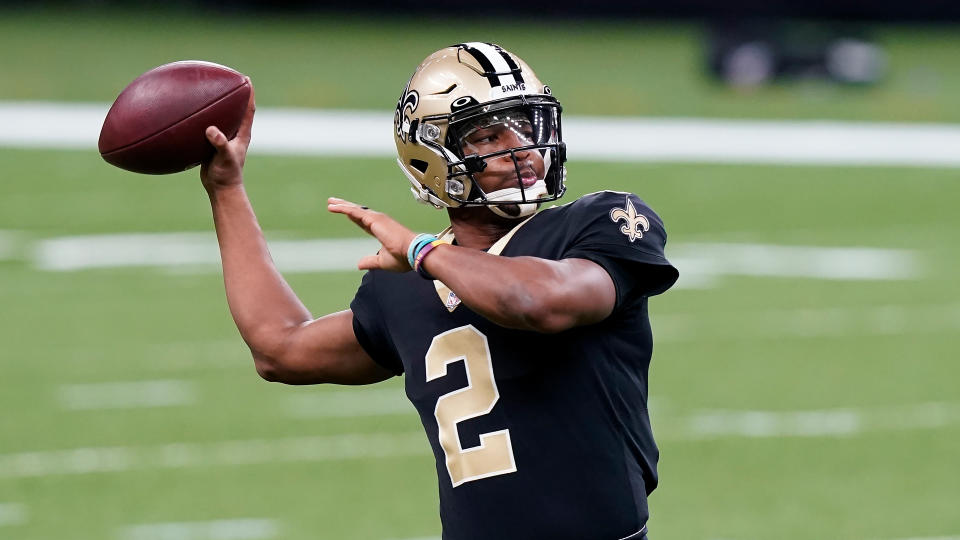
420 193
536 191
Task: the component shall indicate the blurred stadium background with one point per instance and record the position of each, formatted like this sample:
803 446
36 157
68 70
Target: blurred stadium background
804 382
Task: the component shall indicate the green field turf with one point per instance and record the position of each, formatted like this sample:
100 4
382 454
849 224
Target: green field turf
128 325
885 350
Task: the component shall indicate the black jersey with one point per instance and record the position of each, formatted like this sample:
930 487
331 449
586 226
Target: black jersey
535 435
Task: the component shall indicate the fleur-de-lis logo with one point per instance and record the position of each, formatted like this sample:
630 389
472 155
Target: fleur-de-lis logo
406 106
636 224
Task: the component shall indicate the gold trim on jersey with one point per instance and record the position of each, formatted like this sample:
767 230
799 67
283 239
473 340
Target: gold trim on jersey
448 297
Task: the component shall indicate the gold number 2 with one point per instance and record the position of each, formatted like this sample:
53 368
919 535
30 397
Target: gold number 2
494 456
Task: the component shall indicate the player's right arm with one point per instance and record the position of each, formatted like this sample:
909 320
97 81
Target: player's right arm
287 344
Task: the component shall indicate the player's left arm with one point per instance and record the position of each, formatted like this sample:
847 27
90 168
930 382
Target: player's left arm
527 293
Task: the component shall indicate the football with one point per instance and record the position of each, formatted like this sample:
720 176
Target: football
157 123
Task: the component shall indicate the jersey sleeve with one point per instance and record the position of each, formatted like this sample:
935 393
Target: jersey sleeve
627 238
370 328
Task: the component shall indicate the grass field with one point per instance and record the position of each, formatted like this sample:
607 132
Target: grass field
785 407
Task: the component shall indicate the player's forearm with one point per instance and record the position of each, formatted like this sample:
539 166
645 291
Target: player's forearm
263 306
515 292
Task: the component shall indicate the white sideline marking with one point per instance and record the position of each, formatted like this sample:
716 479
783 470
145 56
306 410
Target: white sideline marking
704 425
820 423
120 250
195 250
24 124
368 133
350 403
808 323
798 142
223 529
699 263
13 514
127 395
79 461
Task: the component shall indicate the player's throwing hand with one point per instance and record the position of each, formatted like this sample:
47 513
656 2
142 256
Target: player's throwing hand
226 166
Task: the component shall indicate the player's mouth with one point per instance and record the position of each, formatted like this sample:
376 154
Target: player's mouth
527 177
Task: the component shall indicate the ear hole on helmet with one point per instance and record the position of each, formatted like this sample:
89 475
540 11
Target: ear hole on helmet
419 165
462 103
447 91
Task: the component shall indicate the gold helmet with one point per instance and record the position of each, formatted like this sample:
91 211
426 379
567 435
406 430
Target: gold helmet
459 91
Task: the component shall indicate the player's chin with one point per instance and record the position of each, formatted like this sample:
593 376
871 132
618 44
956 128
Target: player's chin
514 210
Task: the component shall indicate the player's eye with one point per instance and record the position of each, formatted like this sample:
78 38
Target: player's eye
483 136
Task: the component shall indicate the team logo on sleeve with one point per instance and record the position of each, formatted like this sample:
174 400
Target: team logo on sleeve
635 224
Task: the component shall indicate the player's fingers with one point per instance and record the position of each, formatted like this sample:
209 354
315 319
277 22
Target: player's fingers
355 214
370 262
339 206
216 138
338 200
246 125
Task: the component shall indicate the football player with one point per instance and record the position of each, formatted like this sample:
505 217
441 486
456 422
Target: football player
522 336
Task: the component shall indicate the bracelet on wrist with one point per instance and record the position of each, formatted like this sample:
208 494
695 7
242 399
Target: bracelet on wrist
421 255
416 245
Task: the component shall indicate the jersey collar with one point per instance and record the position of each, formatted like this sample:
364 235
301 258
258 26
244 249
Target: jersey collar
448 297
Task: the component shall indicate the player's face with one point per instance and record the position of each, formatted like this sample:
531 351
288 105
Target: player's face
497 134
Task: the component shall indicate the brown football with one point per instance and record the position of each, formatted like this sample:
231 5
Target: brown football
157 124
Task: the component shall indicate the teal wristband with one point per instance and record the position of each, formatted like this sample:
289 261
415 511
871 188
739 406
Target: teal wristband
416 245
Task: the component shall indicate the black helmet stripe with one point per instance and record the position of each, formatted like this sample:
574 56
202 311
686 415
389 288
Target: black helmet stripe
509 59
485 63
497 65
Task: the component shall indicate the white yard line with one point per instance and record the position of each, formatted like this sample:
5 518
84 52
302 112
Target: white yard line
197 251
703 425
127 395
13 514
700 264
80 461
833 263
222 529
124 250
762 141
367 133
873 320
820 423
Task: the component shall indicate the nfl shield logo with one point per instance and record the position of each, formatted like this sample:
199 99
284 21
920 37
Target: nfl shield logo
452 301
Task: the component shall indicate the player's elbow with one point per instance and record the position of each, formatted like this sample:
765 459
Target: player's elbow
548 321
275 357
294 368
275 363
266 372
267 367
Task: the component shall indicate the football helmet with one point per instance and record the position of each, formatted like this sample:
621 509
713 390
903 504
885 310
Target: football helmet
464 107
